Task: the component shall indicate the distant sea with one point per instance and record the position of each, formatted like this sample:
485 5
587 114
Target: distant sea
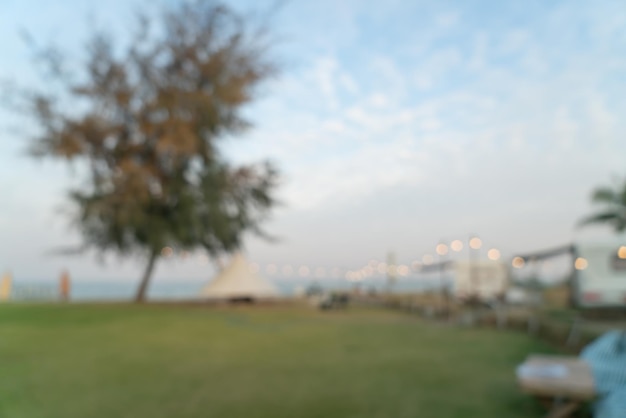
117 290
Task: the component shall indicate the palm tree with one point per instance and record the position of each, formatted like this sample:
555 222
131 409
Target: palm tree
613 213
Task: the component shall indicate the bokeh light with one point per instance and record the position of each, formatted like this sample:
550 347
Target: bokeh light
475 243
403 270
456 245
287 270
518 262
581 263
493 254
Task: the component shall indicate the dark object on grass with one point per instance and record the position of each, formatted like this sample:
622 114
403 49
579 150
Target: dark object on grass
335 301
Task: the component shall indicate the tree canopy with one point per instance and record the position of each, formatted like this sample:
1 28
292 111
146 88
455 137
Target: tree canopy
146 118
613 200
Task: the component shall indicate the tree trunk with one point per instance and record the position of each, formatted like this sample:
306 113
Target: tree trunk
143 286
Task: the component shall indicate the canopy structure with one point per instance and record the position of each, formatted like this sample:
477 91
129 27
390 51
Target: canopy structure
238 281
549 253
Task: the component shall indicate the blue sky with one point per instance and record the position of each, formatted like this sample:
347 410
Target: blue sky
396 124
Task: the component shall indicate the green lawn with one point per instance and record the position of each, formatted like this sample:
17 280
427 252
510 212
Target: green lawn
84 361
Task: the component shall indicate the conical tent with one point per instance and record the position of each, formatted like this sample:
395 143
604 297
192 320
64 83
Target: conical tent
238 281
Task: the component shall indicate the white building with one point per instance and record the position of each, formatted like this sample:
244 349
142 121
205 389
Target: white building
484 279
599 278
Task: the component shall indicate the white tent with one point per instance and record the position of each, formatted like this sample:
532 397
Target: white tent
238 281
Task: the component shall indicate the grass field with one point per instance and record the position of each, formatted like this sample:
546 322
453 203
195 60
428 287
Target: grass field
80 361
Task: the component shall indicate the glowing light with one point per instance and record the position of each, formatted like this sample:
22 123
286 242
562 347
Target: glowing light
167 252
271 269
442 249
354 276
373 263
287 270
518 262
335 272
367 271
184 255
304 271
403 270
475 243
427 259
456 245
392 270
621 253
493 254
581 263
320 272
382 268
203 258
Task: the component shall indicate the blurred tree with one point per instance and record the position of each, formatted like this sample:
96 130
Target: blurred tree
145 119
614 212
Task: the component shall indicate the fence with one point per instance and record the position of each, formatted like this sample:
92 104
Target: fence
34 292
568 330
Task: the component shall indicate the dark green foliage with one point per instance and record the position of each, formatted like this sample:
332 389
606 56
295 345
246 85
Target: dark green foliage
614 212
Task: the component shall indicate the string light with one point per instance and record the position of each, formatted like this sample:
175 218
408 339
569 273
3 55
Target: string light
456 245
581 263
475 243
518 262
403 270
493 254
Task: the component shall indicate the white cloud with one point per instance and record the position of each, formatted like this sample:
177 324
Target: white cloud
325 73
565 128
514 41
434 68
447 20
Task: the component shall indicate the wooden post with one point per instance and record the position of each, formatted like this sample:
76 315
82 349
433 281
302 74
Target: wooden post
64 286
5 287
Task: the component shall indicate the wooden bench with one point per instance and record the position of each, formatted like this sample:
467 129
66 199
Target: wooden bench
562 384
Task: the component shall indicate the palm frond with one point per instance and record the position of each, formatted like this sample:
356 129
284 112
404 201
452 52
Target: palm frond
606 195
606 217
